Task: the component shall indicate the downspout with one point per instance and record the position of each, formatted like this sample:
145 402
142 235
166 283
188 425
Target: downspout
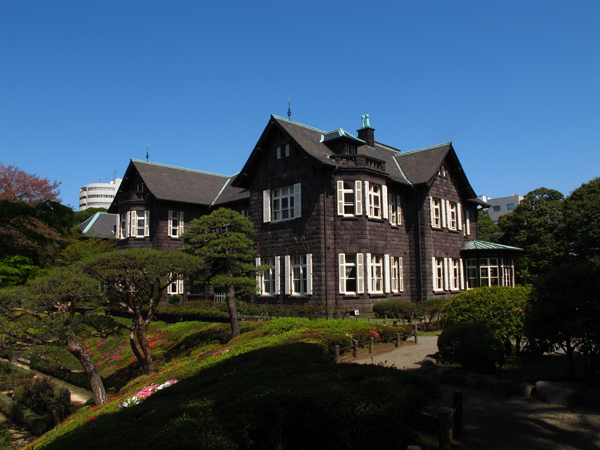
325 234
418 237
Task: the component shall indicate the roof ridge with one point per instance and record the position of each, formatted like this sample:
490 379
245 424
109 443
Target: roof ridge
221 191
427 148
180 168
381 144
300 124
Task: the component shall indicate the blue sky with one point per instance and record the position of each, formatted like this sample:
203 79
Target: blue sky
514 84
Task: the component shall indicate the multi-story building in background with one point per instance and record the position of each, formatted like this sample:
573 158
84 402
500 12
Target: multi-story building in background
502 205
98 195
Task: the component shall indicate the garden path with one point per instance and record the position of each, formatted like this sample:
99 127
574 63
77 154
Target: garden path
498 423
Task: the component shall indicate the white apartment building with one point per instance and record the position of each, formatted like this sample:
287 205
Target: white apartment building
502 205
98 195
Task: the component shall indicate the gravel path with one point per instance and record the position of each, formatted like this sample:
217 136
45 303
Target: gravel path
498 423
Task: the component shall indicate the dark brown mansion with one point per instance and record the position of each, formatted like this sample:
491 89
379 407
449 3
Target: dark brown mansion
340 218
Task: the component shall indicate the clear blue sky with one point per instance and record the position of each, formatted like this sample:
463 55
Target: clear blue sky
514 84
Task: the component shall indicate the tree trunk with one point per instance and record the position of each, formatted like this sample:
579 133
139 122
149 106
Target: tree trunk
141 360
140 331
96 385
235 324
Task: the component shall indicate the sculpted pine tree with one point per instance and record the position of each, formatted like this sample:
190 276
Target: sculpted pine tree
138 279
223 243
42 313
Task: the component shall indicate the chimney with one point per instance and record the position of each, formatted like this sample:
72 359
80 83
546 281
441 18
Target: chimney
366 133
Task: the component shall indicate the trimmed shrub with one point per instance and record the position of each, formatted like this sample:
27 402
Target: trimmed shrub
398 309
35 394
454 335
174 299
433 307
482 354
501 309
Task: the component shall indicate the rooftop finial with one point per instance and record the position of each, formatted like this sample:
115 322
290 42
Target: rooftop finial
289 108
147 154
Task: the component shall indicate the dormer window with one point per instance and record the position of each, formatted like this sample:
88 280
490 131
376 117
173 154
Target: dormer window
284 153
349 149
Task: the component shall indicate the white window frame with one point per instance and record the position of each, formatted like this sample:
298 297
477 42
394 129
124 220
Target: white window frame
436 209
395 210
375 273
471 264
268 281
176 224
455 274
375 193
396 275
270 200
135 218
486 269
124 225
508 272
452 216
438 273
359 271
298 269
356 204
176 287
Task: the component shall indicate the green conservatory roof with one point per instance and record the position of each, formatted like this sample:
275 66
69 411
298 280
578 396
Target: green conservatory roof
482 245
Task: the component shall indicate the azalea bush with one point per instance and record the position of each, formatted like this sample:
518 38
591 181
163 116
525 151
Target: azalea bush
35 394
145 393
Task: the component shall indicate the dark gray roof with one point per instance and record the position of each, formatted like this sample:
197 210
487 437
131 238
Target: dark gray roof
100 225
187 185
312 141
420 166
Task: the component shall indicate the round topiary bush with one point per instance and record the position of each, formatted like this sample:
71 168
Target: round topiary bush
454 335
482 354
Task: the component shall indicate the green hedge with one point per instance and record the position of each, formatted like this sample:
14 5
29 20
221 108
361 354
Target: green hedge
399 309
501 309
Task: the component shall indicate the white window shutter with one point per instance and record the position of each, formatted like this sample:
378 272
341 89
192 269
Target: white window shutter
180 285
398 210
288 274
340 197
446 283
431 211
259 279
277 272
400 274
278 152
170 224
287 149
459 216
358 197
386 273
369 275
127 226
462 275
433 273
181 223
360 274
390 201
443 207
384 196
133 224
146 223
367 200
297 201
309 277
467 222
266 206
118 227
342 270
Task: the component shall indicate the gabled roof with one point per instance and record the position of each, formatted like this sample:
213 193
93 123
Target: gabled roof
410 168
482 245
185 185
100 225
